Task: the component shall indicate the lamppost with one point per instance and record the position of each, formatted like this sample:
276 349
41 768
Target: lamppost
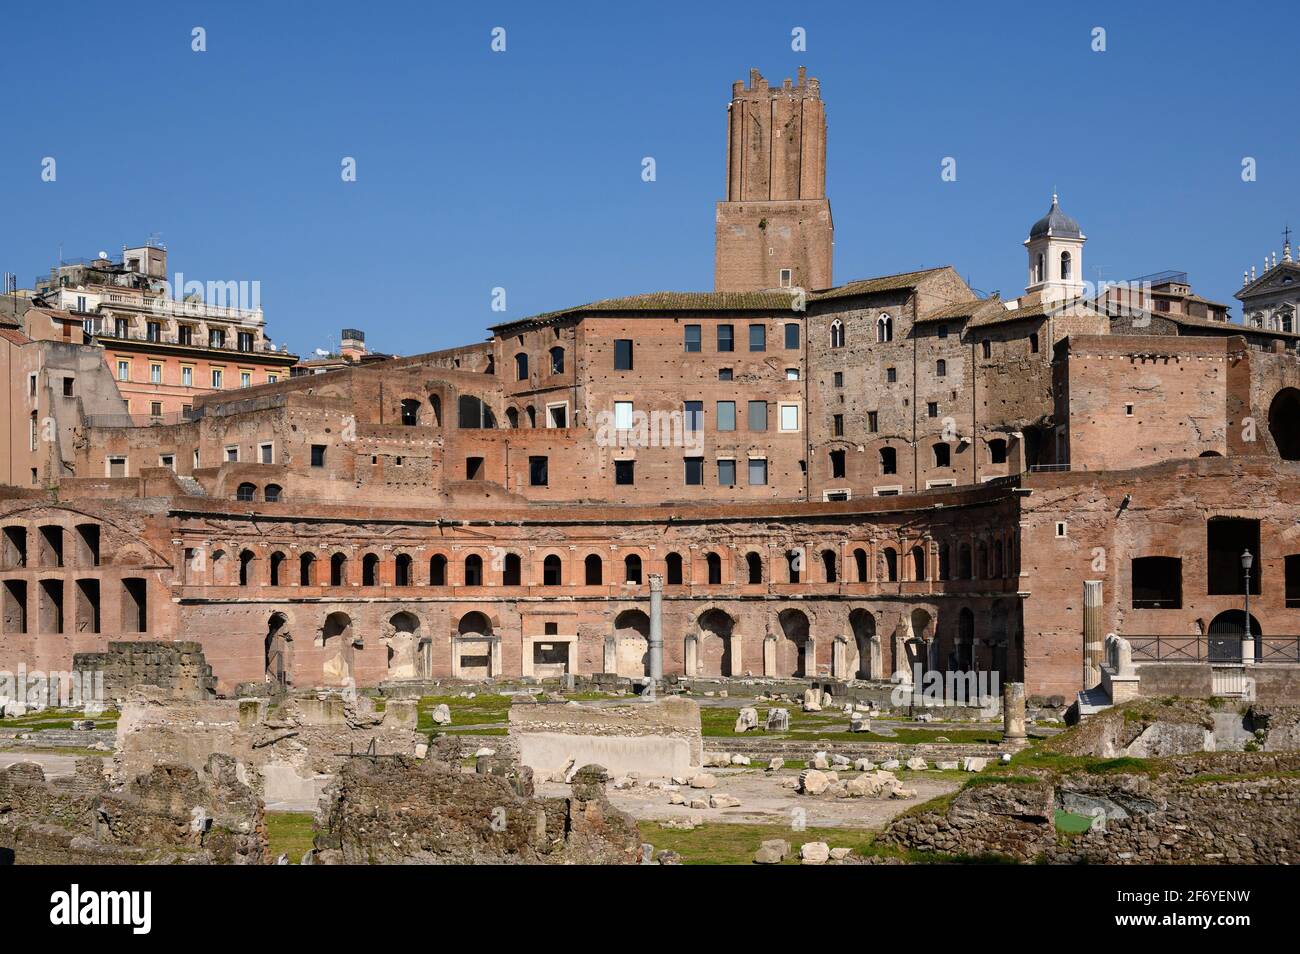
1247 641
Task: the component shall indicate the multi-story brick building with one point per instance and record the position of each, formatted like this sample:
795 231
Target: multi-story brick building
849 479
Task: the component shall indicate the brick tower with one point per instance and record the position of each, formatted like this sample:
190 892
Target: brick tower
774 228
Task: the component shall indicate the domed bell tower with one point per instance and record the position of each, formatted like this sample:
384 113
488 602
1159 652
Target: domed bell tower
1055 247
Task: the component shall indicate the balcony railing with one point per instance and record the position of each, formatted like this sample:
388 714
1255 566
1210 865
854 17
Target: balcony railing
261 347
143 420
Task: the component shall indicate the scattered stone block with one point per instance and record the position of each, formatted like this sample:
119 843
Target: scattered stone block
974 764
775 763
778 720
704 780
723 801
839 854
814 853
917 764
748 719
441 714
813 782
864 765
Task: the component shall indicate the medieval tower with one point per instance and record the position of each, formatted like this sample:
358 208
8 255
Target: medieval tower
774 228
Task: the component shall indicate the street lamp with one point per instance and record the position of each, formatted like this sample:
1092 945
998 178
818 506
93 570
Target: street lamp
1247 642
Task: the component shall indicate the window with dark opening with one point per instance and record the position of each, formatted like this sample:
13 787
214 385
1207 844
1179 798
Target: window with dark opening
1226 539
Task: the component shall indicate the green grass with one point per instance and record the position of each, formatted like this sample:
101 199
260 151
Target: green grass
722 844
719 722
57 719
1072 823
483 710
289 832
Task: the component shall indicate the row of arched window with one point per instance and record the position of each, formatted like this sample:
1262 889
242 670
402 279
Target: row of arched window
798 566
884 331
247 492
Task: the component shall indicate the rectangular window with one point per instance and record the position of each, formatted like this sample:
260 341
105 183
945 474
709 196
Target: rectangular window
791 336
943 331
792 374
873 421
318 455
153 331
245 341
117 467
932 409
537 471
186 411
168 461
625 472
758 415
67 386
557 415
692 337
789 417
786 277
216 377
216 338
623 354
120 327
155 408
185 335
266 453
726 338
155 374
986 348
726 473
726 415
757 472
891 375
245 379
124 370
473 468
694 471
758 337
187 377
232 455
839 379
724 374
623 415
694 415
837 425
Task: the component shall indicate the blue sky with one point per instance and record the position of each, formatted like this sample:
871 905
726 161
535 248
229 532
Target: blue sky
522 169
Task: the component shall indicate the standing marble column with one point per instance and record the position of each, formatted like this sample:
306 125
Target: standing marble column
1093 636
1013 712
656 628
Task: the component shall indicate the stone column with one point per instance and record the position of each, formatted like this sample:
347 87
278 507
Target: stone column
496 671
611 654
810 658
839 658
737 644
692 655
1013 713
769 656
657 628
1093 636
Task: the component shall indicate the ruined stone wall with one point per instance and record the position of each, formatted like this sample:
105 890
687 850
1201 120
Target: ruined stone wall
178 668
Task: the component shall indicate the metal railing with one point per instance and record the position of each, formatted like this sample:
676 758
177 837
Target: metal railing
1211 649
112 335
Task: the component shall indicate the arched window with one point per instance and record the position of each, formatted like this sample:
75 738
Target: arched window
593 570
891 564
715 568
410 413
438 570
632 569
370 570
830 566
942 455
512 570
273 492
552 571
1039 265
754 563
793 565
888 460
965 570
277 568
837 334
307 569
246 559
521 366
557 360
1066 263
941 368
338 569
246 492
945 570
673 565
532 415
473 570
918 563
884 328
473 413
860 564
402 576
512 417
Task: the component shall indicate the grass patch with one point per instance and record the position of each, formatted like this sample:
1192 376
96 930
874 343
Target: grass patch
1072 823
722 844
289 833
483 710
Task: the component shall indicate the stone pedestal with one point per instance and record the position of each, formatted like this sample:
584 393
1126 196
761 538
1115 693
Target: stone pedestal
769 656
691 662
1013 713
611 654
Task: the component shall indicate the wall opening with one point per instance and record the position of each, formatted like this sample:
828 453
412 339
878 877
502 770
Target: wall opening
1226 539
135 606
50 606
1157 583
87 619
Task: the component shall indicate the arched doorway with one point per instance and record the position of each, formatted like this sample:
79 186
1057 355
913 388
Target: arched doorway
336 641
794 657
918 646
1226 631
1284 423
715 643
402 637
472 652
278 650
632 644
863 625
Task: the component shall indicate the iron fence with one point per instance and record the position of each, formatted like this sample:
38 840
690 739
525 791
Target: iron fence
1213 649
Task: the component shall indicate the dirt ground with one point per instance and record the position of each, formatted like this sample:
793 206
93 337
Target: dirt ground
764 801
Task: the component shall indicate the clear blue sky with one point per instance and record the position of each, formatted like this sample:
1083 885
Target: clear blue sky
522 169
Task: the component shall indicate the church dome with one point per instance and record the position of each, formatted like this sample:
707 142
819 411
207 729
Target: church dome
1055 223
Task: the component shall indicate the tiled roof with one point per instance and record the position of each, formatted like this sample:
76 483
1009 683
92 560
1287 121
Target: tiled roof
962 309
15 336
773 300
1001 315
